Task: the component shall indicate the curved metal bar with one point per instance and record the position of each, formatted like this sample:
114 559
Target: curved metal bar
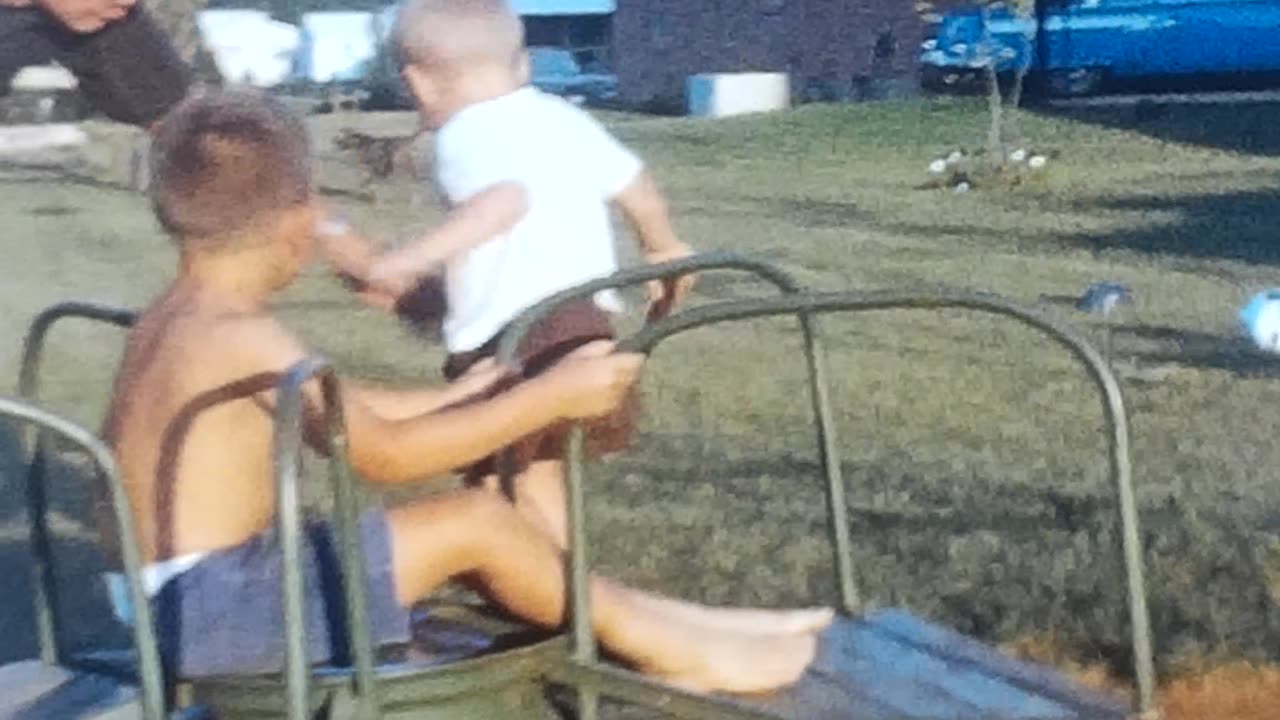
820 396
287 444
44 587
33 345
510 341
288 456
149 672
1113 405
585 652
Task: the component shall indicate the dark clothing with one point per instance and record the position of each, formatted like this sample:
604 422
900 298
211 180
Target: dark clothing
225 615
568 327
128 70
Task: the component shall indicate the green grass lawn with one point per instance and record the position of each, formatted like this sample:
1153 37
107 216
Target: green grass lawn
974 448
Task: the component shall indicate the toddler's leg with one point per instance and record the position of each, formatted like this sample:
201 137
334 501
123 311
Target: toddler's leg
539 497
540 494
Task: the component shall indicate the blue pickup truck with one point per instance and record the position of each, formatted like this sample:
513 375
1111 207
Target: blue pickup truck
1077 46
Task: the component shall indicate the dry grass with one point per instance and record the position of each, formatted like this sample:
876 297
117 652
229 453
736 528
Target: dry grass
1239 691
1203 690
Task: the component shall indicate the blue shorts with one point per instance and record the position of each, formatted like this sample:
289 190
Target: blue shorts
225 616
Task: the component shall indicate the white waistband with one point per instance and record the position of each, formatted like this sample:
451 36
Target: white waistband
154 577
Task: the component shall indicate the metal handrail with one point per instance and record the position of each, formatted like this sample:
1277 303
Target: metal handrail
288 434
33 345
149 669
820 395
819 391
287 449
646 339
44 587
763 269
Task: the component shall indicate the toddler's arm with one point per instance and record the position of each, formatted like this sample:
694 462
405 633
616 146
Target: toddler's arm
479 219
352 256
646 210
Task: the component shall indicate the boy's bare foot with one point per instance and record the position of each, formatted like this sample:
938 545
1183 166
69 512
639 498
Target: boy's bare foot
739 663
745 620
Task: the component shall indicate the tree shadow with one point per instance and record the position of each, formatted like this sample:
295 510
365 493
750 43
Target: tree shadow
1239 226
1244 128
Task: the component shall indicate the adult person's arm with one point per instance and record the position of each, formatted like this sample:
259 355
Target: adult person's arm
126 65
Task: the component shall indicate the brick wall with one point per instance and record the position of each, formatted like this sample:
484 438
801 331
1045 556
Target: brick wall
835 48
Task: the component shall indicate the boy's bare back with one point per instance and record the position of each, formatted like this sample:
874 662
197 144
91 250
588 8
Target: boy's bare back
187 427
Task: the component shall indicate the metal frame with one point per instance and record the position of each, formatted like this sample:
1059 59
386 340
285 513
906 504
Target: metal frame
42 424
582 670
287 456
42 580
287 452
287 446
589 674
815 358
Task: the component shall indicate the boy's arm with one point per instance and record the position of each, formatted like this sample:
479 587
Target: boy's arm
587 384
647 211
623 180
649 216
399 404
351 255
415 448
480 218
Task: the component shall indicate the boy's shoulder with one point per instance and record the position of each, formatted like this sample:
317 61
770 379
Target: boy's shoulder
258 339
240 341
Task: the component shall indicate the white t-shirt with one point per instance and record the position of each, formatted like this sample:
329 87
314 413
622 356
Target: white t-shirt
570 166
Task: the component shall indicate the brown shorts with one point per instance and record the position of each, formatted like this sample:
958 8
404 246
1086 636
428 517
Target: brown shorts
568 327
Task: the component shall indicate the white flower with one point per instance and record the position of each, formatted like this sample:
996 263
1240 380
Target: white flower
1037 161
962 187
1018 155
955 157
938 167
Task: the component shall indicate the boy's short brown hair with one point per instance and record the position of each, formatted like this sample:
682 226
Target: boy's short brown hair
225 160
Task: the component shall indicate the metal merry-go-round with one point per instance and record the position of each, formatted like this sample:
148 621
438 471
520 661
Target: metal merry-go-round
877 664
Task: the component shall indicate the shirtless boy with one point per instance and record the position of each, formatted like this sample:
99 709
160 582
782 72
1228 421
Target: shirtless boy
191 424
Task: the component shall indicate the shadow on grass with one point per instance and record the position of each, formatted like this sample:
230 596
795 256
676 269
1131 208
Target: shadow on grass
1244 128
802 212
1196 348
810 213
1240 226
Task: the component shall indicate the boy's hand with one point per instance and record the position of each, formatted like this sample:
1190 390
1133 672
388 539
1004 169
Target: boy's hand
339 246
83 16
593 381
666 295
395 272
352 258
